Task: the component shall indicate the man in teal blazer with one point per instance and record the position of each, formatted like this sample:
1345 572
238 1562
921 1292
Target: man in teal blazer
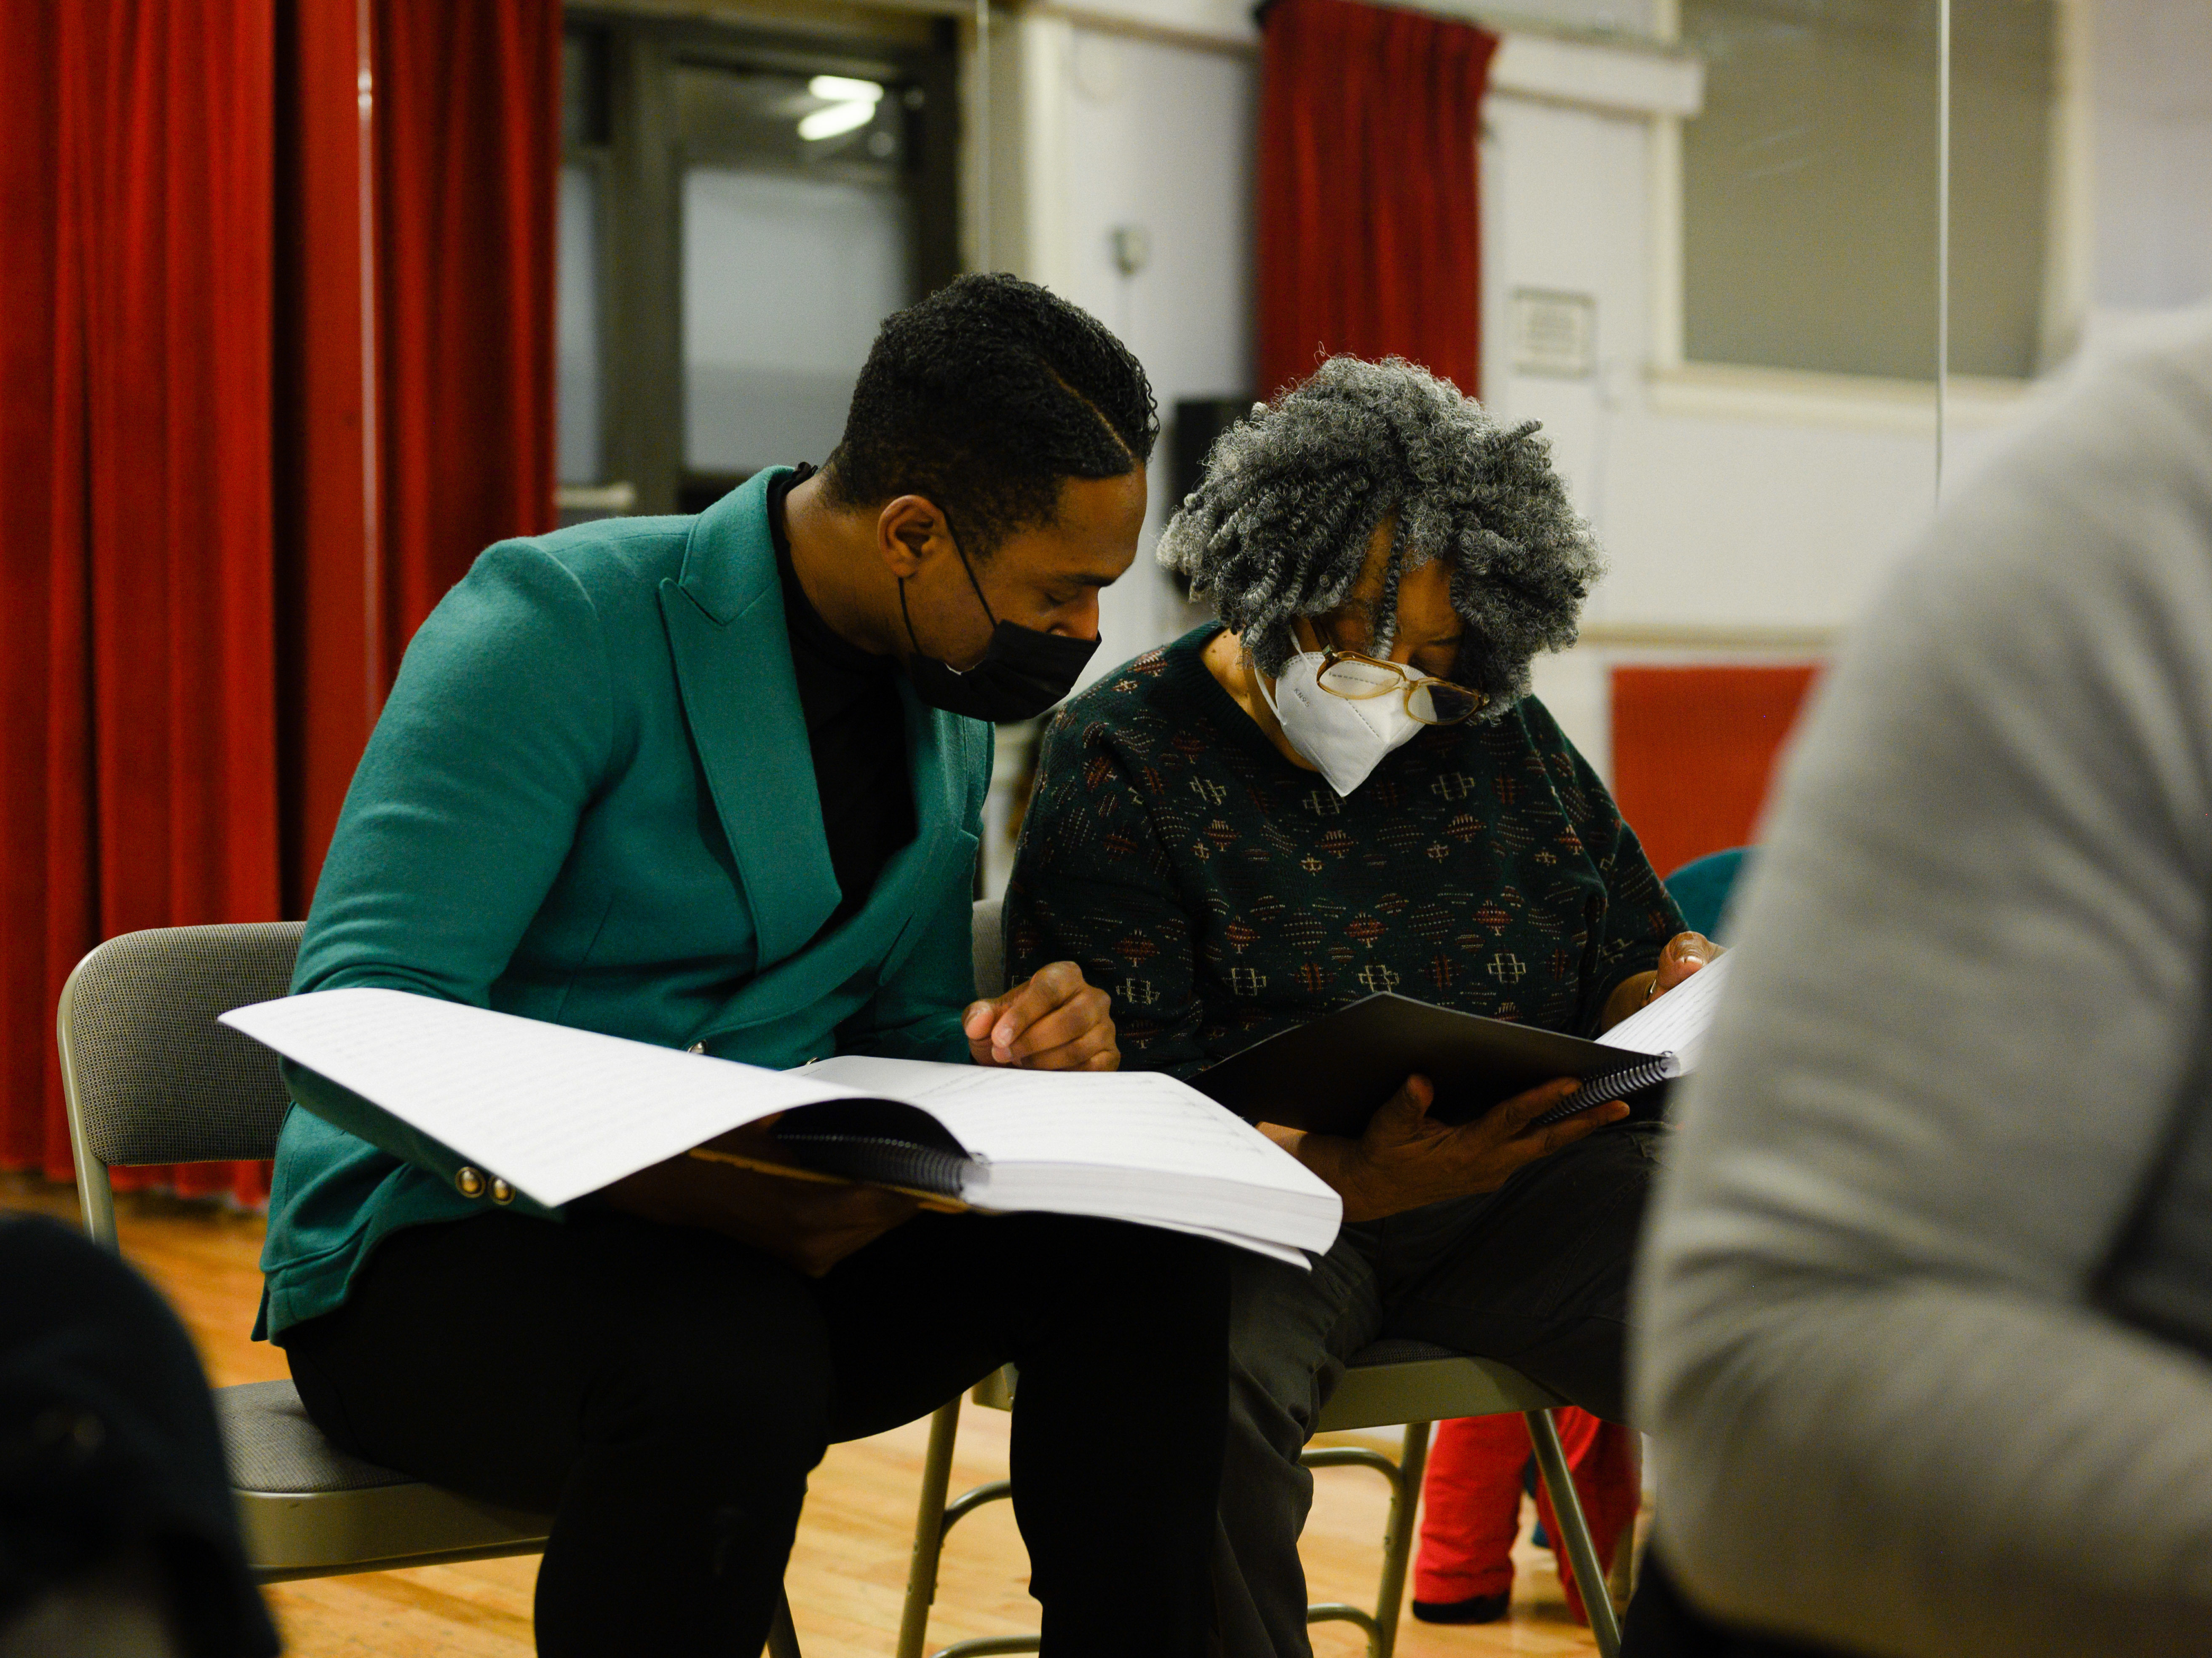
717 783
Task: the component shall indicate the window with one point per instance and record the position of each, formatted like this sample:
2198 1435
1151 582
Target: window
1809 185
739 210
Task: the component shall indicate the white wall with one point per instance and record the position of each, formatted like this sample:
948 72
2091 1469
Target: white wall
1117 130
1756 521
1160 137
2153 112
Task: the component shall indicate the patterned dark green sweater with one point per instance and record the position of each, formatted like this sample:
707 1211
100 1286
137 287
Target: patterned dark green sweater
1221 894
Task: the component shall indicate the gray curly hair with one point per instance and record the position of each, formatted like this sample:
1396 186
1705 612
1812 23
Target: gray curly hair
1279 525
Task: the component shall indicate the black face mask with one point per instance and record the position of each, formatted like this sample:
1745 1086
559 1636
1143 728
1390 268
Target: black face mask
1023 671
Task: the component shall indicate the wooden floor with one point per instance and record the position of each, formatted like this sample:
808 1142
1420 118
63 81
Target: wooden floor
849 1571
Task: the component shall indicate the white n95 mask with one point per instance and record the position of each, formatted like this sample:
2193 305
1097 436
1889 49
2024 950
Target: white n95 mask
1345 737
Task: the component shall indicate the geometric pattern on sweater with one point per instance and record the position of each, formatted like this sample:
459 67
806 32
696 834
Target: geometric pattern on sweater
1220 893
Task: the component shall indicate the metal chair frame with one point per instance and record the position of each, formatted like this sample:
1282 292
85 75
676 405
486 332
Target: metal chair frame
293 1534
1394 1382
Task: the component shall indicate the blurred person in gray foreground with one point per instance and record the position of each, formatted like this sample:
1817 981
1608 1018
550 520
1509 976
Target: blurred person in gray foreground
1926 1306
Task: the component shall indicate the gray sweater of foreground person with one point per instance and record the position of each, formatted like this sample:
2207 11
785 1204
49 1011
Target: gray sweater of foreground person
1928 1298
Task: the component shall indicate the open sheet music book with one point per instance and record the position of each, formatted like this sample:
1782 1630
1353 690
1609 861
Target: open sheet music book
1332 1074
559 1113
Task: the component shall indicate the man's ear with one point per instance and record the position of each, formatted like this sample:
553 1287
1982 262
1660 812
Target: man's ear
909 530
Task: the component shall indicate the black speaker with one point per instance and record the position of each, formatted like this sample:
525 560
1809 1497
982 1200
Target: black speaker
1198 422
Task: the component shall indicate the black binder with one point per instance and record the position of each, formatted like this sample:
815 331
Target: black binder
1332 1074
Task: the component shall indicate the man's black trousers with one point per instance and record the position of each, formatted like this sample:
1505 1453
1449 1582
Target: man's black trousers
664 1393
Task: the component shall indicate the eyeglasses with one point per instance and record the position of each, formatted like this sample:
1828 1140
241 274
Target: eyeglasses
1356 678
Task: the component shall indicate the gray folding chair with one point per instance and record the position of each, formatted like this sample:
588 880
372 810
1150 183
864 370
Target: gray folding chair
1392 1381
150 1077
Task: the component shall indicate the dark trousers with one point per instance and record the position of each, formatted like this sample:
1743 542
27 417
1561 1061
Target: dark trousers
1534 1275
664 1393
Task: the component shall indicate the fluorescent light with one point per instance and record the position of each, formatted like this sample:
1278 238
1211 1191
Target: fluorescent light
838 118
843 89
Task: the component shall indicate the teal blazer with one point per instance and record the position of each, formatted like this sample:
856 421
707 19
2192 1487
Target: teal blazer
590 800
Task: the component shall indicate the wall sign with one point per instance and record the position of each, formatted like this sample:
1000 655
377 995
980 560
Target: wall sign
1553 334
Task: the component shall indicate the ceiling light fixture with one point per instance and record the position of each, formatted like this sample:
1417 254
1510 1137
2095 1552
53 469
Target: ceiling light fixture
838 118
851 103
843 89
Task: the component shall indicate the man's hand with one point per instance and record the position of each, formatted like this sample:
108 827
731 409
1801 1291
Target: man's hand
1405 1158
1685 953
810 1224
1052 1022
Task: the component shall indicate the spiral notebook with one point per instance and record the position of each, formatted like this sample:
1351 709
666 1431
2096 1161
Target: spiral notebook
1332 1074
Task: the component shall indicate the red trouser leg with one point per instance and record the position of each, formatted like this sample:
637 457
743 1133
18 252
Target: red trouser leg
1606 1466
1471 1508
1472 1503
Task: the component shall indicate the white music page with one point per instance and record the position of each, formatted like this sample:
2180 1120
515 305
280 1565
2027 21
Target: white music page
1677 1021
554 1111
1114 1119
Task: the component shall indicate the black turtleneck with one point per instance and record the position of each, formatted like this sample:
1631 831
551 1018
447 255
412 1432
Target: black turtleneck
855 728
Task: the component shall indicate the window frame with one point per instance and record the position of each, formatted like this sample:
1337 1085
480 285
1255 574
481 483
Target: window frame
640 224
1684 386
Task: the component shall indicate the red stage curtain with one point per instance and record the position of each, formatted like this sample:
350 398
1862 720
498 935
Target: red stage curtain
46 905
140 615
214 562
334 664
468 150
1368 227
1694 750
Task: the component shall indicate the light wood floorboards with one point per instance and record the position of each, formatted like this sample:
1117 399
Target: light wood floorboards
849 1571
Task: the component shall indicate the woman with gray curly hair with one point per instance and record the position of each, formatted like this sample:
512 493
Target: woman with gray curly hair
1342 787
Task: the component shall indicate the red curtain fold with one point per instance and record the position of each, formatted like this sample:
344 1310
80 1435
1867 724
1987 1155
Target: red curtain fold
216 562
139 620
1694 750
468 153
334 663
43 909
1370 228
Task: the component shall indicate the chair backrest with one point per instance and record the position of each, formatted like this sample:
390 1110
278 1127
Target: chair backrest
149 1075
1702 889
990 948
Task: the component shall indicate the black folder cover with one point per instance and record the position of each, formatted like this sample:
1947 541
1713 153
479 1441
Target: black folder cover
1332 1074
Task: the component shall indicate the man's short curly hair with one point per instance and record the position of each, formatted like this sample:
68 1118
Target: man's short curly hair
984 397
1279 525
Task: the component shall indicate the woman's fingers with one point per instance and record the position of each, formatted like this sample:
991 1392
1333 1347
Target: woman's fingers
1403 1118
1504 1135
1684 954
1567 1131
1509 1118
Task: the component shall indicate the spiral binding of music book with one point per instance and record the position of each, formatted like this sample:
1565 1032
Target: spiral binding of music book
1611 1085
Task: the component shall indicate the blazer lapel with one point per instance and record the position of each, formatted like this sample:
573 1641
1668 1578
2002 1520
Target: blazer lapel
726 629
878 937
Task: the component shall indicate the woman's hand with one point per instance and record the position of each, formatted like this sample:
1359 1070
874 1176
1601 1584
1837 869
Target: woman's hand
1051 1022
1685 953
1406 1159
809 1225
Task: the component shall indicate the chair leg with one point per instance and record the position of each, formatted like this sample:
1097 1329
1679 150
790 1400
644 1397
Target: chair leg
928 1529
782 1638
1581 1553
1398 1537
